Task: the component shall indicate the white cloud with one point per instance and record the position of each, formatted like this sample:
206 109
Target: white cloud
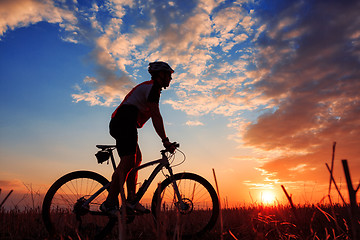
240 38
194 123
209 5
227 19
22 13
299 168
90 80
188 44
117 7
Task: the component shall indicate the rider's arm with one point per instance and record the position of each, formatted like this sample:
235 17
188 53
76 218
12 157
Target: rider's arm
159 126
157 120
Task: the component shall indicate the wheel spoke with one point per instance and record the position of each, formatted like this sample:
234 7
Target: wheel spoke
63 206
200 200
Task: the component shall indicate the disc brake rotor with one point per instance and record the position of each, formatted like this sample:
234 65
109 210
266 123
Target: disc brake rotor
185 207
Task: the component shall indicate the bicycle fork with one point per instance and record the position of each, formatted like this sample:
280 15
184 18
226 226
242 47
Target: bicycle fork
180 201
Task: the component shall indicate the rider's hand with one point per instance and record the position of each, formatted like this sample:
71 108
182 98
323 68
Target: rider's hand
169 145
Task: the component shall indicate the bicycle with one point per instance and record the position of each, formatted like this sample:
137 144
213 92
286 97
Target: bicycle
184 203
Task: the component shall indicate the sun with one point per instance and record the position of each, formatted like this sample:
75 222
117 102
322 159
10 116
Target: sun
267 197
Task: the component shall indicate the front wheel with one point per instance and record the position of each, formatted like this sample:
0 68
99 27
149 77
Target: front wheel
64 213
195 214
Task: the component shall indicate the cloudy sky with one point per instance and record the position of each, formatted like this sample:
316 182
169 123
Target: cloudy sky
261 89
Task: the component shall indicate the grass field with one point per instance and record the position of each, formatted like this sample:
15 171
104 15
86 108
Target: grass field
252 222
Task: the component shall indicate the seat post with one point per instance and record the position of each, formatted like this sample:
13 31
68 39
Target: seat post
112 159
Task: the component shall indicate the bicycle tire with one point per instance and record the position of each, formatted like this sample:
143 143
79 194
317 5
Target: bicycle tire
199 196
58 211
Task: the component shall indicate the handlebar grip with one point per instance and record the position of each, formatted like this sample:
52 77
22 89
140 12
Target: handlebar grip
175 144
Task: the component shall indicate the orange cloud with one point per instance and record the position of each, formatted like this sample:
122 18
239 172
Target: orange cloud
14 184
313 83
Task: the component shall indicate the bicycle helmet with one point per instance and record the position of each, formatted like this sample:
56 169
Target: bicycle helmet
159 66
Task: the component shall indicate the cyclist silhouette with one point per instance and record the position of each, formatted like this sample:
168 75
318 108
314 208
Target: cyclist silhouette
139 105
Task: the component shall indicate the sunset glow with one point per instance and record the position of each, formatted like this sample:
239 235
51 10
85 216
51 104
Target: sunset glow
267 197
261 90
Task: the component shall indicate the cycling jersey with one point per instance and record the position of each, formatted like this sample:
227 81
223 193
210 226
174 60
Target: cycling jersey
140 97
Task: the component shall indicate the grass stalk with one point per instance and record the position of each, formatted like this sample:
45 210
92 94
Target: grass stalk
336 187
160 221
220 212
289 199
232 235
7 196
353 204
334 215
122 216
332 165
297 217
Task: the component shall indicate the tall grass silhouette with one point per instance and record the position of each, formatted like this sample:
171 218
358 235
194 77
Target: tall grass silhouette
254 221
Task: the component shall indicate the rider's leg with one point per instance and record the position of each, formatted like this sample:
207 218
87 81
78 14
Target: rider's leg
131 184
119 177
131 180
124 129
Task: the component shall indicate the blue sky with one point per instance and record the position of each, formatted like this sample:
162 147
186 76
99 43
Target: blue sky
260 92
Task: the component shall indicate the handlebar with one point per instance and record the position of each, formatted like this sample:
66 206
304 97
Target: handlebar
174 144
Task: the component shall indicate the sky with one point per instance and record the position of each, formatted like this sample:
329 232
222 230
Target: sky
261 90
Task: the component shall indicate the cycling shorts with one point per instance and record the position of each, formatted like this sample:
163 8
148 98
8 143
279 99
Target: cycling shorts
123 127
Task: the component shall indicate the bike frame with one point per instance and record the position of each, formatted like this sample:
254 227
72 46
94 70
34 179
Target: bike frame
162 163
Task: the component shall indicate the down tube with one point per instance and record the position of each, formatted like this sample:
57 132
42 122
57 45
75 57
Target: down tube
147 183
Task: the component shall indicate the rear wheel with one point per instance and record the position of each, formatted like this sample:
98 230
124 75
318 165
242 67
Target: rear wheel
64 214
196 214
